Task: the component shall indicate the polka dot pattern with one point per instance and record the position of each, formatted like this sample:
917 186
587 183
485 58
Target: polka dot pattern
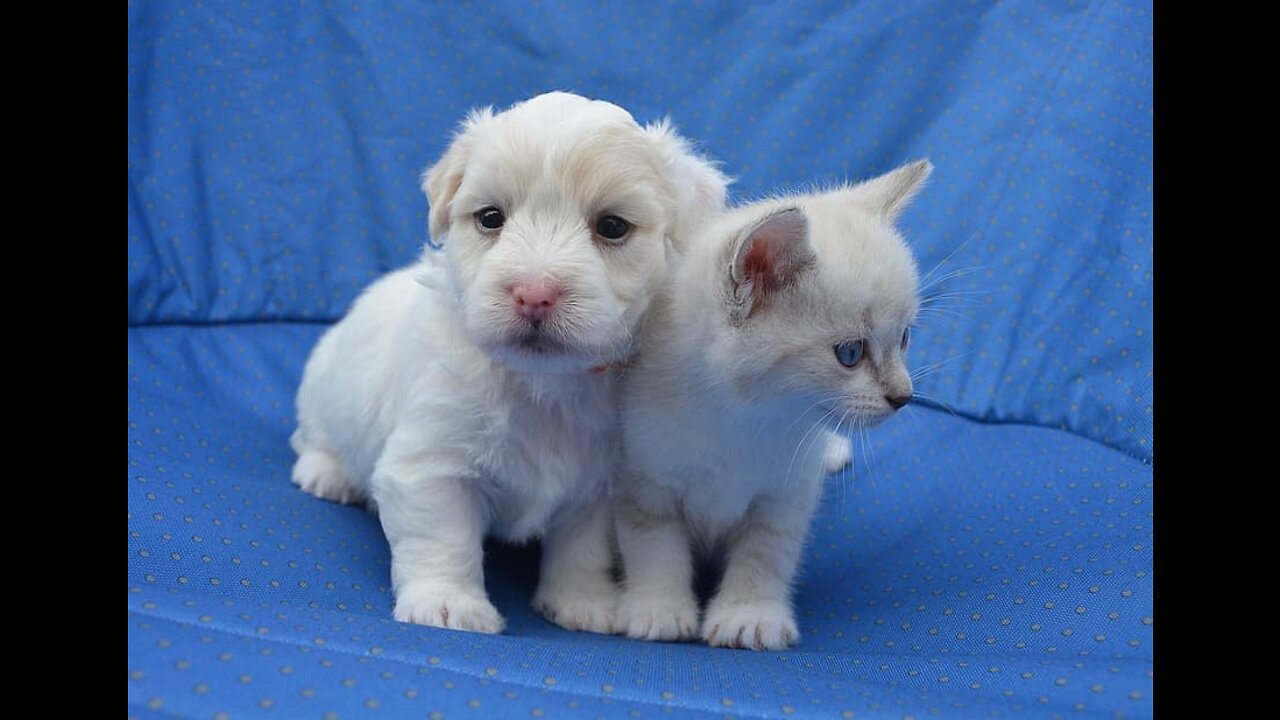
959 569
990 553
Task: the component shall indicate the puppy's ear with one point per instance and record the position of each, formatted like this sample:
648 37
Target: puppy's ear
697 185
442 180
891 193
767 257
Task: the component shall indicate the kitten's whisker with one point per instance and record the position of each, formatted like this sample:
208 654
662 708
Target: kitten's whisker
926 370
811 407
846 432
943 313
931 400
960 298
915 420
924 280
817 439
791 464
869 456
926 284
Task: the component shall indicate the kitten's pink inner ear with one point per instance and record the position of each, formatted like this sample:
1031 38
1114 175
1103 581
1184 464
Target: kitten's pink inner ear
771 257
760 266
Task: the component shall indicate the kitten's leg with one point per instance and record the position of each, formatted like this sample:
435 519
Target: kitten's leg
752 609
576 588
657 601
435 520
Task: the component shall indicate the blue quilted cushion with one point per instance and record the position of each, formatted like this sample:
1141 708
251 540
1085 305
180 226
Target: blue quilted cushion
962 569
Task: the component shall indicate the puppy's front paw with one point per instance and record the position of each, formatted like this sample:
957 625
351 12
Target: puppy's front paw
757 626
658 617
586 604
456 611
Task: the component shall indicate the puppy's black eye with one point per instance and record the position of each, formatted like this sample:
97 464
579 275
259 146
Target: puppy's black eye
490 218
612 227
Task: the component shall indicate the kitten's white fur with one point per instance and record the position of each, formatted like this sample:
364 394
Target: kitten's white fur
425 402
728 408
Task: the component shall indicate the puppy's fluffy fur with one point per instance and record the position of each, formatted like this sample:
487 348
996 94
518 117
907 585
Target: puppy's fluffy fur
787 321
439 404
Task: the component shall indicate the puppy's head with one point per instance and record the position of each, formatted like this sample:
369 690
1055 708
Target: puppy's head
555 216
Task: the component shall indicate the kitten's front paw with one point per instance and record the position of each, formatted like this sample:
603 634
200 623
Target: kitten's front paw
838 455
456 611
757 626
658 617
588 605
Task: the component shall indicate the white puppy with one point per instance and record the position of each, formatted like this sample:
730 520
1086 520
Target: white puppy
472 394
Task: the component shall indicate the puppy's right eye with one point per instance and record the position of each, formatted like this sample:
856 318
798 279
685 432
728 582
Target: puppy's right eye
490 218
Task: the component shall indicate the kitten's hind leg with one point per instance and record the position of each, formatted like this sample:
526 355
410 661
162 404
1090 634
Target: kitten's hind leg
318 472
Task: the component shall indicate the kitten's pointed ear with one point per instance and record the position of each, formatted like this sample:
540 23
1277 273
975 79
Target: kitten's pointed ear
891 193
768 257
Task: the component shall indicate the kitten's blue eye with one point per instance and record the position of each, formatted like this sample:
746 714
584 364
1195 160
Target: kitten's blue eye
849 353
906 339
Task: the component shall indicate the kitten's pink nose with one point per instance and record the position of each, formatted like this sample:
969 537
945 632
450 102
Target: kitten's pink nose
535 300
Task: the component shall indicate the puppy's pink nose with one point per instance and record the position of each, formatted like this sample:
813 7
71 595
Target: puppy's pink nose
535 300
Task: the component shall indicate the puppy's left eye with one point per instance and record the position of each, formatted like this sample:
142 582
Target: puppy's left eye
612 227
906 339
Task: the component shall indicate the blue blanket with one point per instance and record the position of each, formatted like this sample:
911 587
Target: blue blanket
988 554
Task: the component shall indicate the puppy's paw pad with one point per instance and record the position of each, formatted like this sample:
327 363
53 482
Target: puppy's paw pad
587 607
318 473
755 627
658 617
445 610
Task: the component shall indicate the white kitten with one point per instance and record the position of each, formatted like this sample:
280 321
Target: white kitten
786 321
468 395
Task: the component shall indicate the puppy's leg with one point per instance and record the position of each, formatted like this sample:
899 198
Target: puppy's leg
753 606
435 520
657 601
576 588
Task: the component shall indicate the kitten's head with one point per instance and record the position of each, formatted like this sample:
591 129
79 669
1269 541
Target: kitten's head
819 292
554 216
